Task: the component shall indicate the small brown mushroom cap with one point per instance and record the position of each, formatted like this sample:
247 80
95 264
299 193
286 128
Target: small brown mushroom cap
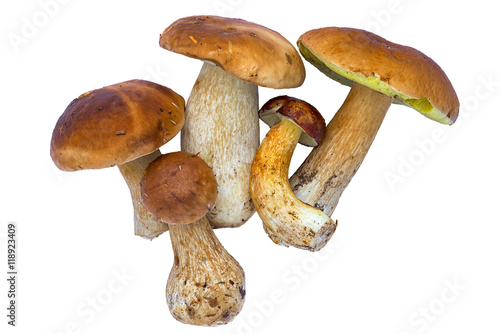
350 55
116 124
178 188
246 50
306 116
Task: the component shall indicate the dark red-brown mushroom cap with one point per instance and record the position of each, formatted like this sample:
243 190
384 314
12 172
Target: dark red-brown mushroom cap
178 188
116 124
306 116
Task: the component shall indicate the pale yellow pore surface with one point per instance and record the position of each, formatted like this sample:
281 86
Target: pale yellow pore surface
222 124
145 224
206 286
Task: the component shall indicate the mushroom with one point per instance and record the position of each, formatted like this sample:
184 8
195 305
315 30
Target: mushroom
206 285
221 111
287 220
121 125
379 73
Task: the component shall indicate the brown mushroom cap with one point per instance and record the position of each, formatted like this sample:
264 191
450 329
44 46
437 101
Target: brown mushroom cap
298 111
243 49
116 124
178 188
351 55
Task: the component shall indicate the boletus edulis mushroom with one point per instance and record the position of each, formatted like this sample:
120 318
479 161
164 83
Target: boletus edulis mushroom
380 73
206 285
121 125
287 220
221 111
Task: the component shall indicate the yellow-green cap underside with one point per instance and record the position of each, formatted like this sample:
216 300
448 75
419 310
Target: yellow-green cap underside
374 81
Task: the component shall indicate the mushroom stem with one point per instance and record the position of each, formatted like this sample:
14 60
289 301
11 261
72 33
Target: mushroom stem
206 285
330 166
145 224
222 124
287 220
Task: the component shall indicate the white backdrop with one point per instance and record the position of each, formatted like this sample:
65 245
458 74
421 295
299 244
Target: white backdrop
419 255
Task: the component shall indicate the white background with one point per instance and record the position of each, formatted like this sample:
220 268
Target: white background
418 256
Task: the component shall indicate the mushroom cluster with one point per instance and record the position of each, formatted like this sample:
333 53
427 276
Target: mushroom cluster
223 172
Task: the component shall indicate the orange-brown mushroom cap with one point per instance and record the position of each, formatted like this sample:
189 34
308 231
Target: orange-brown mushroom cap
350 55
245 50
306 116
178 188
116 124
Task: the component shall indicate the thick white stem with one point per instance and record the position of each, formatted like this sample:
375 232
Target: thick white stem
222 124
145 224
206 286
